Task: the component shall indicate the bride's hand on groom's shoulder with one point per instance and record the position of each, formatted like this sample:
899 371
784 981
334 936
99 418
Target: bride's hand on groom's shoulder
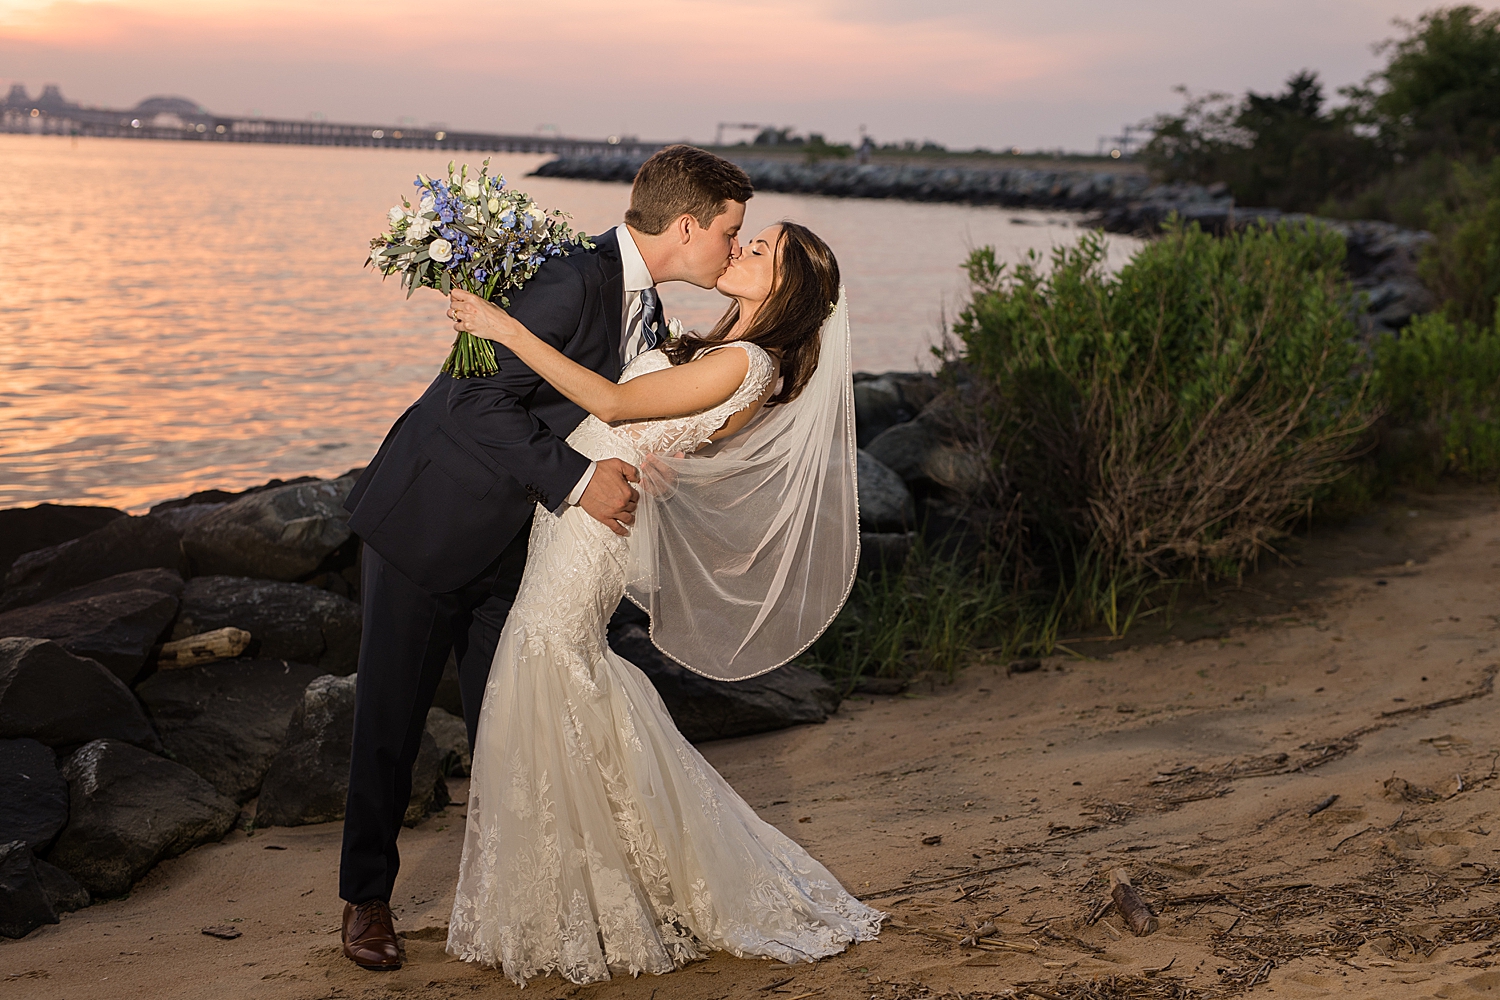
475 315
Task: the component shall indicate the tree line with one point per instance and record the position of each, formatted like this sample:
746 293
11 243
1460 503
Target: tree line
1398 145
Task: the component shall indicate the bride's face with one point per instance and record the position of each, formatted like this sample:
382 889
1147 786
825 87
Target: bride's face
749 275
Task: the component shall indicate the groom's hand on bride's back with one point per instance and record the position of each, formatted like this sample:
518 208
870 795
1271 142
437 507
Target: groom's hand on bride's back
609 498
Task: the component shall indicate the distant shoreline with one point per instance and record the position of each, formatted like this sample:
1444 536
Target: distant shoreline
1119 200
1013 187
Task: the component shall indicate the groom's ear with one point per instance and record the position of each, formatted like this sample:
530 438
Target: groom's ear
683 228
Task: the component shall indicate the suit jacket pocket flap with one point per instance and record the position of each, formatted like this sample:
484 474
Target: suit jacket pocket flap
458 464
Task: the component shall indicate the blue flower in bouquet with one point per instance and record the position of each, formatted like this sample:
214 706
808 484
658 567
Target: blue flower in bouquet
470 231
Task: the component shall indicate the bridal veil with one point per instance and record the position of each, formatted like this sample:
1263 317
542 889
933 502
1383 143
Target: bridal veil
744 552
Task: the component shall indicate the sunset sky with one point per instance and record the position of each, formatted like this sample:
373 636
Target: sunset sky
1039 73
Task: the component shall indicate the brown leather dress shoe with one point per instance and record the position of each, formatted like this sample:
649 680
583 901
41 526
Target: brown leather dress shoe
370 936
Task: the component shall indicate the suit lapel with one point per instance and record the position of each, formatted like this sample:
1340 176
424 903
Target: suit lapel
612 292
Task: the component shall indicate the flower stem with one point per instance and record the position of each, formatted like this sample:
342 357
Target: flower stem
470 356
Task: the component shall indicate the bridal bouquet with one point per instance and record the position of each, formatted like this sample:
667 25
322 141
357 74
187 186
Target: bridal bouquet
472 233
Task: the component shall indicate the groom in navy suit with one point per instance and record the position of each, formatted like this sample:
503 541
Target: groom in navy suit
446 505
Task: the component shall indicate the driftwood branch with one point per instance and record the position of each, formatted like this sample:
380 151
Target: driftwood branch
1132 907
207 647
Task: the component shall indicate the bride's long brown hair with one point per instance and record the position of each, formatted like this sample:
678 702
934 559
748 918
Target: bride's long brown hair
804 288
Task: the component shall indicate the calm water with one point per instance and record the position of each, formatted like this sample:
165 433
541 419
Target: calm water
176 316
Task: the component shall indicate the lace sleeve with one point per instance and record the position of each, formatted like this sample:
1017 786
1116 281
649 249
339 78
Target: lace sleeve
757 379
689 433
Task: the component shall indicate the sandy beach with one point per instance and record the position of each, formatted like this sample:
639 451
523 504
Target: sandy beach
1191 760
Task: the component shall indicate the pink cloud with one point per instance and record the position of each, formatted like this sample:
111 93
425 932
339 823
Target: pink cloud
961 71
774 48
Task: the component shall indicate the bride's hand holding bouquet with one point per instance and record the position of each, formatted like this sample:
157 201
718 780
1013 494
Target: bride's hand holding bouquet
478 317
472 234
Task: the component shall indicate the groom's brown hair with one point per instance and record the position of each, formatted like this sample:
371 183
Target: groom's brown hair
684 180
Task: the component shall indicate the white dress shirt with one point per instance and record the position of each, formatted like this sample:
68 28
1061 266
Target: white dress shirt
637 279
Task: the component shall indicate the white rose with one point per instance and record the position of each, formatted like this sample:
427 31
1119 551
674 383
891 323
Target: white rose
441 251
427 202
396 214
494 205
376 258
419 229
471 190
674 328
536 213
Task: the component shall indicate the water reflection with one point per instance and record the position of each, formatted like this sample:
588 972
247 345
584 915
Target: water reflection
181 316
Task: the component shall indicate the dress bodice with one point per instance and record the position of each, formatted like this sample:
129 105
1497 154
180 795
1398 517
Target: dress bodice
673 434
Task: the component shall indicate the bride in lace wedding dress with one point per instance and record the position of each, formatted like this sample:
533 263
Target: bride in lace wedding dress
597 837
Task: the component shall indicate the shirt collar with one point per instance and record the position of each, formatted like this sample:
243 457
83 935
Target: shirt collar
637 275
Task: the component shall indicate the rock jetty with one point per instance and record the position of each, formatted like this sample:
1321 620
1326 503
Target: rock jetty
1381 257
1017 187
114 757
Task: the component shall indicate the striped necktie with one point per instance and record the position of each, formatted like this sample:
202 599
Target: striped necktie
652 328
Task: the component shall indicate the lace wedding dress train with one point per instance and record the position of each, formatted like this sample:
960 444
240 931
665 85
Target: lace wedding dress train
597 837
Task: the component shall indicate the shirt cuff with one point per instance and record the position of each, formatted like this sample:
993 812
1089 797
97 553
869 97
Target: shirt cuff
583 484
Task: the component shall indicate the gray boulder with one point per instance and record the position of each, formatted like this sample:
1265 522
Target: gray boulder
916 452
113 621
309 779
885 504
917 388
33 892
1394 302
130 809
226 721
215 496
960 469
883 401
904 448
884 550
286 621
33 795
122 545
24 905
162 581
50 695
26 529
62 889
877 406
452 739
705 709
279 534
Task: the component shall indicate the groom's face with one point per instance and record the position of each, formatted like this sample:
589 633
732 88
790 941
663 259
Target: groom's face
706 251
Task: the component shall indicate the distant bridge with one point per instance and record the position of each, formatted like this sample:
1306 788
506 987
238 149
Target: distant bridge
179 119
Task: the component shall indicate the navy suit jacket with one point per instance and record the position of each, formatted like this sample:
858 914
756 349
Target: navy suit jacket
459 472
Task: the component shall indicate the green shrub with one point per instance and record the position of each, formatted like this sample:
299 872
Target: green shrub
931 613
1440 381
1439 378
1132 430
1402 195
943 606
1462 263
1174 418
